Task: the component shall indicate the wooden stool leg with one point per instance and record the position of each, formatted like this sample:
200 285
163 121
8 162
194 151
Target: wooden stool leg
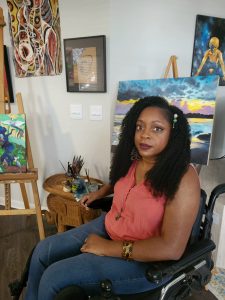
7 196
24 195
61 227
38 210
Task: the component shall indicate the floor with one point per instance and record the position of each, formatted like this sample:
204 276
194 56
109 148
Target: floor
18 236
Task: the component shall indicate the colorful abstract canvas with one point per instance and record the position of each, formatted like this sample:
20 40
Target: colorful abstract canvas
195 96
36 37
209 47
12 143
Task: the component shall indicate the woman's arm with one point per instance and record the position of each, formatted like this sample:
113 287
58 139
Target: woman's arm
104 191
178 220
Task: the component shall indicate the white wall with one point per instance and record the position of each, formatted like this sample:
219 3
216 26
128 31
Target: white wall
141 36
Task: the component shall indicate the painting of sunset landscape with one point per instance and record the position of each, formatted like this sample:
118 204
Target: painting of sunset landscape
195 96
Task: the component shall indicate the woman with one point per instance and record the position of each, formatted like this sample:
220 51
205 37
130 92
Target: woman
156 200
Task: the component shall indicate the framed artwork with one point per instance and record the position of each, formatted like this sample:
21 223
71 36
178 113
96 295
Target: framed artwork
209 47
195 96
85 60
12 143
36 37
8 90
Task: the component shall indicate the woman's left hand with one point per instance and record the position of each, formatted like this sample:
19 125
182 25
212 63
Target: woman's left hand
95 244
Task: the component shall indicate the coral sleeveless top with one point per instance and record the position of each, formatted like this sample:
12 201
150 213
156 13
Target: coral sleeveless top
135 213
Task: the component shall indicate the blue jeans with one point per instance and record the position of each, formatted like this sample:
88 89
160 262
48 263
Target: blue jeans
57 263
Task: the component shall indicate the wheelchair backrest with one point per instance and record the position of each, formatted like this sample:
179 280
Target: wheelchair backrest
197 227
202 226
216 192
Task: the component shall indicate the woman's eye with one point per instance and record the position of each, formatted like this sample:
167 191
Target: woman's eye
157 129
139 127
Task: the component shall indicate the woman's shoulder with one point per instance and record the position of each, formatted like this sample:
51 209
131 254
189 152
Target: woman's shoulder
191 173
188 193
192 168
190 179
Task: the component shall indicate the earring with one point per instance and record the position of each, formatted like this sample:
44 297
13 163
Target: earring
134 155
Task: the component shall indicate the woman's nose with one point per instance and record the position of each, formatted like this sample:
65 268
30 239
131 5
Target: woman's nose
146 133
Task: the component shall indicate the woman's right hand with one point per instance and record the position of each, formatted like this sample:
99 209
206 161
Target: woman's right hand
104 191
87 199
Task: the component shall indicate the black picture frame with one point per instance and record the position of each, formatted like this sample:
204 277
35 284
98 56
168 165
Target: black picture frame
85 61
7 77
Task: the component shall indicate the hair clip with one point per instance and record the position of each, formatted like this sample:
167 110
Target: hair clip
175 117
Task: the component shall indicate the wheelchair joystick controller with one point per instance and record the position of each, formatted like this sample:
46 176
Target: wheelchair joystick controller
106 291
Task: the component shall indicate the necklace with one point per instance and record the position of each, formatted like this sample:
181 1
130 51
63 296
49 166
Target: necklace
119 214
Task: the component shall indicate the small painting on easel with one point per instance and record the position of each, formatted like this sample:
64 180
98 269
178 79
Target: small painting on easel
209 47
12 143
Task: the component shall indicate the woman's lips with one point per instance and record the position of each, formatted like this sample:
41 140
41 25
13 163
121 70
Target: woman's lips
144 146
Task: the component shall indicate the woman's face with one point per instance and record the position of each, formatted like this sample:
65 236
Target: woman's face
152 132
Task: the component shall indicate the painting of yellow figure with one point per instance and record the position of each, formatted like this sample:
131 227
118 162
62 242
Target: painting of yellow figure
195 96
12 143
209 47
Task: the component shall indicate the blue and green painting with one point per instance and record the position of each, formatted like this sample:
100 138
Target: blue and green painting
12 143
195 96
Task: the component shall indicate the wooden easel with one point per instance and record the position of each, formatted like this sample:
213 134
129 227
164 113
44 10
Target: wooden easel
31 176
172 63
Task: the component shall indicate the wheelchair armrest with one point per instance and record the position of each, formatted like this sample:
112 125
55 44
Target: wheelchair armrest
156 272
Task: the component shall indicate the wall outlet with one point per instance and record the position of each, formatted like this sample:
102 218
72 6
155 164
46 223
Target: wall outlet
76 111
96 112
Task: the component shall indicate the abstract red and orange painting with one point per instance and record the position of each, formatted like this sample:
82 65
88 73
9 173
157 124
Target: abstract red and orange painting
36 37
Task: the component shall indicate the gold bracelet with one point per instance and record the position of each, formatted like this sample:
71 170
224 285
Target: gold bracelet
127 250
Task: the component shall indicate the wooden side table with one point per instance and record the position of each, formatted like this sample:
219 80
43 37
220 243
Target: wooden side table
64 210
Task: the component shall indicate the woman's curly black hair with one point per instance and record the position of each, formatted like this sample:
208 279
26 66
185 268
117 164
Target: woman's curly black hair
171 163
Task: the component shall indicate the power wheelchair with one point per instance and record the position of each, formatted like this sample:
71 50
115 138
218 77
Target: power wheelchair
191 273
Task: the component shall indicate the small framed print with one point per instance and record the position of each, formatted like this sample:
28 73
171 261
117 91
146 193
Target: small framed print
85 60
